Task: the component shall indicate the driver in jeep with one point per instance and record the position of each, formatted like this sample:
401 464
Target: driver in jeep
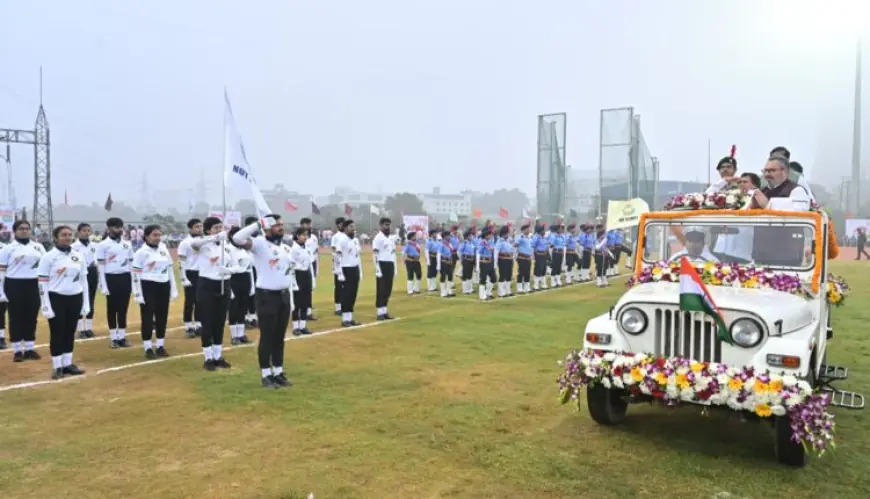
695 248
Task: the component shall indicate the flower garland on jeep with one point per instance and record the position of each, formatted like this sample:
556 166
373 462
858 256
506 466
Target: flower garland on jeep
671 381
741 276
726 199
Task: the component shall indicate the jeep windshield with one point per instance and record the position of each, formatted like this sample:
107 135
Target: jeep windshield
786 245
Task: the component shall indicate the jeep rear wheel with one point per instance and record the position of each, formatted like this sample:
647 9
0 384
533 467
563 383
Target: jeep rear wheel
606 405
788 452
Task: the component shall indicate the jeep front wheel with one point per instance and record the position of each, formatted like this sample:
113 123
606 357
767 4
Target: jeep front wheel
788 452
606 405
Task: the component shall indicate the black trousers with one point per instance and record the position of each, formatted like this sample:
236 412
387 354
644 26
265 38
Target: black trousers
602 263
571 259
413 269
350 288
214 303
337 291
252 303
505 269
302 296
524 269
118 301
384 284
156 309
191 313
487 269
62 327
93 284
3 307
586 259
541 260
23 295
432 271
241 286
447 270
273 315
467 268
556 266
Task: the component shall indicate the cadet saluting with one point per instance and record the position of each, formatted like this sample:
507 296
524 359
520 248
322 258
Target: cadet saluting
273 297
349 272
153 288
20 288
213 291
89 252
384 255
113 258
63 289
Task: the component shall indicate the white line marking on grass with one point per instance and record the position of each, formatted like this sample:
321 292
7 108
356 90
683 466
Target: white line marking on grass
95 338
31 384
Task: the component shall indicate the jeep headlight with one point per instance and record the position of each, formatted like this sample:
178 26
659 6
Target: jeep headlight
633 321
746 332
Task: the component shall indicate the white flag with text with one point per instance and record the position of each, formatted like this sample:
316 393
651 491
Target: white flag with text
238 177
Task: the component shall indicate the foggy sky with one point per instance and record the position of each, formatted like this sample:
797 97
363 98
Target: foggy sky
409 94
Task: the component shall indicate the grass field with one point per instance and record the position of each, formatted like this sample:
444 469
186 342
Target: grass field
455 399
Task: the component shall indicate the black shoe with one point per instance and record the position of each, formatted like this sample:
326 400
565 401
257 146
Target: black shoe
150 355
161 352
18 357
311 318
3 344
115 344
388 317
83 335
281 380
297 332
221 363
244 340
197 332
269 382
209 365
382 317
32 355
190 333
337 313
353 323
346 324
234 341
73 370
122 343
90 334
305 331
255 324
57 374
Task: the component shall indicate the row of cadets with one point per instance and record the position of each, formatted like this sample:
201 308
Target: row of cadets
153 274
273 296
432 258
213 291
188 263
89 250
302 260
504 255
541 247
572 257
413 268
587 241
384 256
485 265
19 288
467 258
313 247
63 288
444 265
242 284
348 270
337 292
558 249
114 259
603 256
524 260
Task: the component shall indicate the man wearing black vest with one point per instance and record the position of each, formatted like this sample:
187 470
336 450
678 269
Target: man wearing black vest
780 246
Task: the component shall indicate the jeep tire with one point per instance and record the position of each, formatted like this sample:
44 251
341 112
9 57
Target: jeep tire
787 451
606 405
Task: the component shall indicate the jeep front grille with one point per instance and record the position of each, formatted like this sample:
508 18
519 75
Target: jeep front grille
691 335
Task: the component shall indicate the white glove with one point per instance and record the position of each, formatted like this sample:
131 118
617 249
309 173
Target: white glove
294 286
253 291
86 309
223 270
104 290
3 298
220 237
232 295
314 284
378 273
47 312
266 223
185 282
138 298
360 277
173 293
341 277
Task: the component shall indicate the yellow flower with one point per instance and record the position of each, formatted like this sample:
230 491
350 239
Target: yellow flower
683 381
715 281
761 387
656 271
636 375
751 283
775 386
763 410
735 384
696 367
709 267
725 269
661 378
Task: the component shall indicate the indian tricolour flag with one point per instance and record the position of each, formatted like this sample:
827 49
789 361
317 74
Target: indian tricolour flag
694 297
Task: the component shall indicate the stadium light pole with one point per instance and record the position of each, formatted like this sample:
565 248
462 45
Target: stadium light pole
855 191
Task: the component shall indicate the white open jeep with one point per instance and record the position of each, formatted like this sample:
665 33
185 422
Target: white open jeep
771 330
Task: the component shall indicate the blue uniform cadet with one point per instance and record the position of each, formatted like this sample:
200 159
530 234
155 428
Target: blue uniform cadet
613 240
572 258
559 247
467 251
486 265
445 265
524 260
432 257
541 247
504 256
587 250
413 267
602 256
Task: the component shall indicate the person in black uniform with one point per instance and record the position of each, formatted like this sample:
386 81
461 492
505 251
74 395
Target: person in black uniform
337 284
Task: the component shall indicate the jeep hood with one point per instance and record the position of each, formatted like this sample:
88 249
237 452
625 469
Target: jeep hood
770 305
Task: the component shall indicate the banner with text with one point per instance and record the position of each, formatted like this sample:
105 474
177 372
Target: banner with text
233 218
416 223
625 214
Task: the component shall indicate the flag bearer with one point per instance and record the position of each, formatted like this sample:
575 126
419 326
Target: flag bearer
303 270
602 256
242 284
571 259
485 265
312 244
445 265
337 292
411 253
541 247
63 291
432 258
83 245
349 272
273 293
504 255
558 245
114 257
524 260
466 254
213 291
384 255
188 263
587 240
153 288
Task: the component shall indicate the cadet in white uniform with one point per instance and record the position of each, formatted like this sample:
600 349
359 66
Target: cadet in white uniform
303 269
384 255
114 256
273 296
338 284
63 289
242 284
84 246
188 263
213 291
153 288
349 271
20 288
3 307
313 246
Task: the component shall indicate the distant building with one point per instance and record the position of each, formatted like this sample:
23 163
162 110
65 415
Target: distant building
437 204
352 198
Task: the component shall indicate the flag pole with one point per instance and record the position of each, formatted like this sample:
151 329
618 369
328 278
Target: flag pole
224 181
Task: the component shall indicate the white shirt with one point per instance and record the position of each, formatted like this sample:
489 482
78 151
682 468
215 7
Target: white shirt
153 264
272 262
188 255
336 241
384 248
348 252
301 257
21 260
89 251
311 244
716 187
210 260
737 245
64 273
704 257
115 256
798 200
241 260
